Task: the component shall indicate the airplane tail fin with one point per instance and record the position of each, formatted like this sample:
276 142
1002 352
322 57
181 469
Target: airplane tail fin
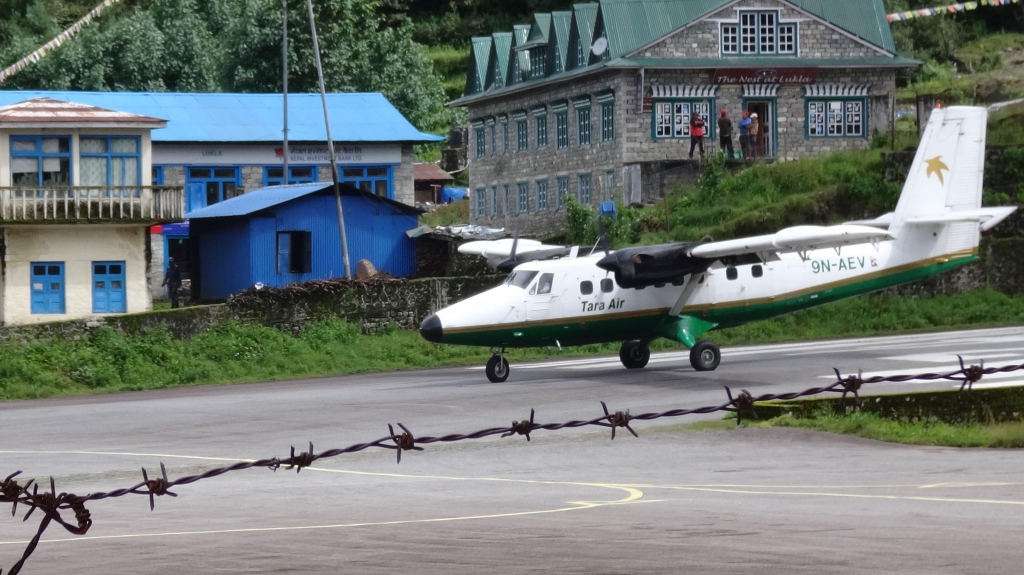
939 211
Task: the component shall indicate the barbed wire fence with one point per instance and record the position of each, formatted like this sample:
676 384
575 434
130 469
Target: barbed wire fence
51 503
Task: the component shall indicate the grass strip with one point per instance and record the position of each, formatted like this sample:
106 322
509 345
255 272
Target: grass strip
107 361
871 426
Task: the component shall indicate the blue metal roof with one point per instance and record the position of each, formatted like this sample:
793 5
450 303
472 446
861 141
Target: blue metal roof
218 117
269 197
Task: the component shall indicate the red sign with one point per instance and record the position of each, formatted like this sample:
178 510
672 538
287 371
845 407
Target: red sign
765 76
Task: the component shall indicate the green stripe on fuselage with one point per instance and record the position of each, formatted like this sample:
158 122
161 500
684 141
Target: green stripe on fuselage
584 330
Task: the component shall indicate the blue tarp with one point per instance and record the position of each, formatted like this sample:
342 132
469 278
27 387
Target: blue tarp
449 195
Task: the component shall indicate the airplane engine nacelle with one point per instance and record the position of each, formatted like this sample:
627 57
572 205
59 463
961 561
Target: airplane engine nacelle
637 268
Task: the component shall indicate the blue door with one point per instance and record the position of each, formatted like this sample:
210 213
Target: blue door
47 287
108 293
196 196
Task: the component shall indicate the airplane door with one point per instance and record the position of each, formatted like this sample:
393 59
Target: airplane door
541 297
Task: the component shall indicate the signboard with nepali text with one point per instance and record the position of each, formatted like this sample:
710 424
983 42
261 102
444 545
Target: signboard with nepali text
765 75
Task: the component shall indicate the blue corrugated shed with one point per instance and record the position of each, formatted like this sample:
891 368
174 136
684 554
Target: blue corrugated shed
240 244
217 117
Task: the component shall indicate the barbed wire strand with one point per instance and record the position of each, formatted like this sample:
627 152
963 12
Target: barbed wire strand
51 503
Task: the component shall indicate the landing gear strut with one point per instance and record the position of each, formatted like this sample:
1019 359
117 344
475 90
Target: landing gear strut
705 356
634 354
497 367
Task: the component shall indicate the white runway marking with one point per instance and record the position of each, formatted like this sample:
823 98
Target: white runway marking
969 355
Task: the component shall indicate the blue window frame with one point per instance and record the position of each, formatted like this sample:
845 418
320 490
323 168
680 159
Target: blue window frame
108 291
158 175
522 136
522 197
40 161
504 135
110 161
607 121
541 124
207 186
47 287
494 139
294 252
274 176
506 203
371 179
542 195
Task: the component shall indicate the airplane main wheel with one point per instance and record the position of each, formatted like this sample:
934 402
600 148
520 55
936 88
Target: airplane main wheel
705 356
497 369
634 354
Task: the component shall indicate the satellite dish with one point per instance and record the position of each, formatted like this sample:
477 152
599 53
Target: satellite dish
600 45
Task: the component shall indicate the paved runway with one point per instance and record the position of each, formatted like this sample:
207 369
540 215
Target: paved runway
737 501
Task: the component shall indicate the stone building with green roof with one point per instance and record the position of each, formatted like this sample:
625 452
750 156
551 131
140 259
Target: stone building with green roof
596 102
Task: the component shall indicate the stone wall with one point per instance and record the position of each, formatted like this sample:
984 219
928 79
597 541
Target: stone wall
373 305
816 39
500 168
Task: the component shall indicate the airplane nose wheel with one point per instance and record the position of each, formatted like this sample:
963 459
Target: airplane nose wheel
705 356
497 368
634 354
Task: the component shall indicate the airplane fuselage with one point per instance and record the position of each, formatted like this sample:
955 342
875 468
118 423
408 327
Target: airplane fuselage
585 305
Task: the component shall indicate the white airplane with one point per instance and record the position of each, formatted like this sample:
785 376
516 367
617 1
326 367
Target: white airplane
556 297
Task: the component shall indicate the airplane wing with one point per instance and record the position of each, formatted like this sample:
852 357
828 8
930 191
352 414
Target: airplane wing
500 248
986 217
795 239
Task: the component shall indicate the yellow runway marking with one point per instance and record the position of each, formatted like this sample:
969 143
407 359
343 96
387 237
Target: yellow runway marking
843 495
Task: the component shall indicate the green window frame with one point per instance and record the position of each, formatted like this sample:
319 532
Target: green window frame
522 135
538 61
671 118
522 197
562 130
541 126
583 126
759 33
562 192
542 195
494 201
494 138
504 136
609 184
481 202
607 121
836 117
481 143
583 188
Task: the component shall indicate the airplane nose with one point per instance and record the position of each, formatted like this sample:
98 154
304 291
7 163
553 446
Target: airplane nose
430 329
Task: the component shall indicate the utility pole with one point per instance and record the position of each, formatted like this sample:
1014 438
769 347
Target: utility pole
284 91
330 143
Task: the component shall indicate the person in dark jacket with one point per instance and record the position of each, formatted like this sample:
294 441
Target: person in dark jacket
172 279
725 134
696 134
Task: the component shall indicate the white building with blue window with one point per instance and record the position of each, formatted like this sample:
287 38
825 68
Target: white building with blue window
218 146
76 204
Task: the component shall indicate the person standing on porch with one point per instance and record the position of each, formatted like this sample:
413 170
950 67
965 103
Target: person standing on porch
755 131
172 279
696 134
744 124
725 134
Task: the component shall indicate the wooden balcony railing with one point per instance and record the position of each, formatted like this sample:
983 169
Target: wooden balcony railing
27 204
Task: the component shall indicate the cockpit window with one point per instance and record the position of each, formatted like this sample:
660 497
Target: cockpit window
520 279
544 284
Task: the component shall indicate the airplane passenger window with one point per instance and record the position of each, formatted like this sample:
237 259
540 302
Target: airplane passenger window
521 279
731 273
544 285
586 288
756 271
607 285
